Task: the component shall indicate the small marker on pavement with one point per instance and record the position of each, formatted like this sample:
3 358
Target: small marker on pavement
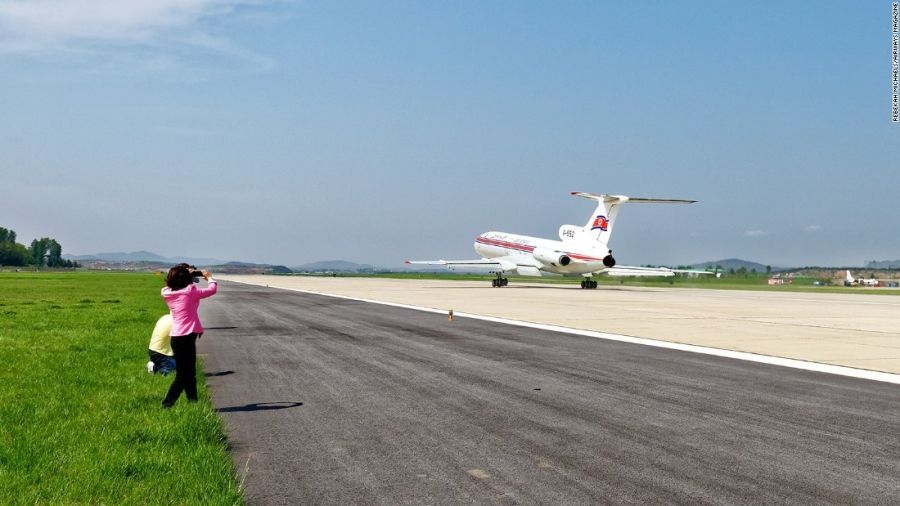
450 316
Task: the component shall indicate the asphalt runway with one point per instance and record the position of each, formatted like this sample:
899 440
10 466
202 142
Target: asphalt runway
330 401
855 328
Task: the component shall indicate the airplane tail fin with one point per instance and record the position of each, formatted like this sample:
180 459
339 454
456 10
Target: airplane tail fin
849 277
600 225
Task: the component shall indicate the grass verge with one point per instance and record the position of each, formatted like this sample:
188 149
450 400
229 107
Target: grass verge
80 418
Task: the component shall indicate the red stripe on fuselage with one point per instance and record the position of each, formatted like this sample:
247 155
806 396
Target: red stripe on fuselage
504 244
529 248
576 256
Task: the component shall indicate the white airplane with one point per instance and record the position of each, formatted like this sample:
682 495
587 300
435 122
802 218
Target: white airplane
851 281
580 251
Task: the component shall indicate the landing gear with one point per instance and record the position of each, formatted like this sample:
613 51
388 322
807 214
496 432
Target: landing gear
500 281
589 284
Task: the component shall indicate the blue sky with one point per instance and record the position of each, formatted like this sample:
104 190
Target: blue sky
290 131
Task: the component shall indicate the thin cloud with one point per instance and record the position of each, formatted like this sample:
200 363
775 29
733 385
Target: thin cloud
91 26
755 233
812 229
225 46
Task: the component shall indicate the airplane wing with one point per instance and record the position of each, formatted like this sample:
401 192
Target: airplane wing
634 271
480 261
500 264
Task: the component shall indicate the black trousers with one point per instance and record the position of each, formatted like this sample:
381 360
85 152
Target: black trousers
185 349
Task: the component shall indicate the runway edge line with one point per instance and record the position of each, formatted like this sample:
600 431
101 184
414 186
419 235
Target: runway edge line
837 370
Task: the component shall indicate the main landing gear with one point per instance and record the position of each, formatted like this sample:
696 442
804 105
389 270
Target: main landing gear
500 281
589 284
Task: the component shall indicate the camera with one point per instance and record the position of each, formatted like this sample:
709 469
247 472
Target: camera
196 274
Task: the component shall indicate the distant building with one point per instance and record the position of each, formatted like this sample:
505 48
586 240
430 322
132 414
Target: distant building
779 279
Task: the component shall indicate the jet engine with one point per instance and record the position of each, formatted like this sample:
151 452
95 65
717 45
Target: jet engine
608 260
554 258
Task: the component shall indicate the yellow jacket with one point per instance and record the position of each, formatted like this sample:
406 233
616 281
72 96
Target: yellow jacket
161 340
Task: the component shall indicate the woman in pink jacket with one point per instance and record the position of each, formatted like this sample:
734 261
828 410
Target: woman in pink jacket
183 298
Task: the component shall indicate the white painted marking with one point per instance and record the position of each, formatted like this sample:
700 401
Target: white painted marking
718 352
479 473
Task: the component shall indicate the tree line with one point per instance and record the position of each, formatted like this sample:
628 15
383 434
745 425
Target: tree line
43 252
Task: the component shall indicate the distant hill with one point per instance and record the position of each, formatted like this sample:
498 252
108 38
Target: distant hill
127 262
733 263
883 264
249 268
150 260
137 256
144 256
332 266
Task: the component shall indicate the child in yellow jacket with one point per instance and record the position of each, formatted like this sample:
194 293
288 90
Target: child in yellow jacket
162 358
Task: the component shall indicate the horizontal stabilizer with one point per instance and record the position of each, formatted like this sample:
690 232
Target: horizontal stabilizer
622 199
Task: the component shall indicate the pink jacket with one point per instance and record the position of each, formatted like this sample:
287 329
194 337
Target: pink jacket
183 305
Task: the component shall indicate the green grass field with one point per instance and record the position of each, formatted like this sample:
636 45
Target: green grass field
80 418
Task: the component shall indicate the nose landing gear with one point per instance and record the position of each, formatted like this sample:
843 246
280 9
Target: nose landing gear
589 284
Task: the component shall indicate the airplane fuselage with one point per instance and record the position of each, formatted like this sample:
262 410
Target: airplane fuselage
543 254
581 250
851 281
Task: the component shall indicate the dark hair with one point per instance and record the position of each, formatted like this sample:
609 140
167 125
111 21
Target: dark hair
179 277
